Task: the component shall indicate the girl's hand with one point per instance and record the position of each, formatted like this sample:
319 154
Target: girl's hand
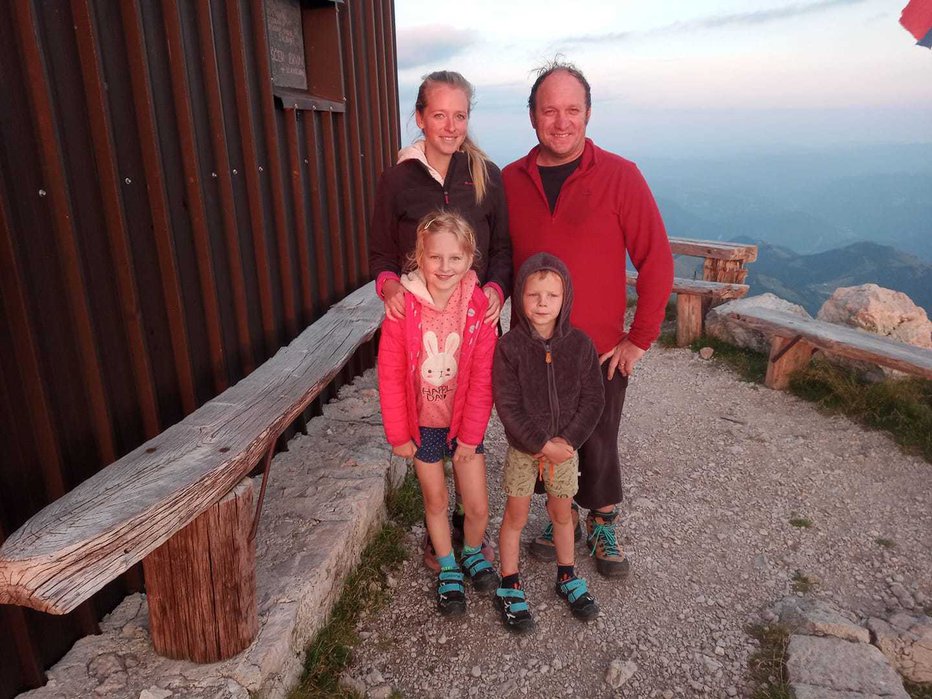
393 294
495 306
406 450
464 454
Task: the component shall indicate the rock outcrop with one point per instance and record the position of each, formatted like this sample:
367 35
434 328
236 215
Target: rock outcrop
880 311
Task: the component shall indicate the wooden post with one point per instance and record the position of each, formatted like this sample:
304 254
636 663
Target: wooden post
786 356
728 271
688 318
201 583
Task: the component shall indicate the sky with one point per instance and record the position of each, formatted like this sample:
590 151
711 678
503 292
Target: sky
681 77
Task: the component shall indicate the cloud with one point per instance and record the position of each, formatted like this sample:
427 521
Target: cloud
431 44
736 19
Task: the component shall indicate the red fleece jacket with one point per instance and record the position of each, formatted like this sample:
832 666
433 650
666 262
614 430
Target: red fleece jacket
605 208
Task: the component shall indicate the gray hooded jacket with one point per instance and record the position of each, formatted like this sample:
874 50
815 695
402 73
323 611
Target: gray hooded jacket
538 400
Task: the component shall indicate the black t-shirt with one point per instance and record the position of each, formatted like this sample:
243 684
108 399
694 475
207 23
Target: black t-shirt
553 177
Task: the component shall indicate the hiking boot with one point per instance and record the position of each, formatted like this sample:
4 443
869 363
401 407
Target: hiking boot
457 522
543 549
483 575
575 592
512 605
610 560
451 595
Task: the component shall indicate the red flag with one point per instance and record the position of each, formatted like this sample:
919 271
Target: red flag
917 18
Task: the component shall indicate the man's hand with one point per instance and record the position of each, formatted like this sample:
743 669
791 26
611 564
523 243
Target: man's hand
406 450
495 306
623 357
393 294
557 450
464 454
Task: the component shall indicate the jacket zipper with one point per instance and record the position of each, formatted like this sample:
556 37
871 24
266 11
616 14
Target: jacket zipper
551 389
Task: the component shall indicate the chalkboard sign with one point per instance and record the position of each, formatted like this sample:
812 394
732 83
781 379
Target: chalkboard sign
286 43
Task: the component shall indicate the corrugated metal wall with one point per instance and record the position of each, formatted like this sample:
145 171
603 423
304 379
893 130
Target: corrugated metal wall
166 223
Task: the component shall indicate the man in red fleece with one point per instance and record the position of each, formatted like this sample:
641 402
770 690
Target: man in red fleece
589 207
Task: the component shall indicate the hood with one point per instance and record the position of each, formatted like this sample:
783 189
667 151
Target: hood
536 263
414 282
416 152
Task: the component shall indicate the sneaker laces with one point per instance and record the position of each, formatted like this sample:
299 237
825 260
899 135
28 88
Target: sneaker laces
605 533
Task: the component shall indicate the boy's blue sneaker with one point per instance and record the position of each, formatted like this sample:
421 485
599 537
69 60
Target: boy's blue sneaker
512 605
483 575
575 592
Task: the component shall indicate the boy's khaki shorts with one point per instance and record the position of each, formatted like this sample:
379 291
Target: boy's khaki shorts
521 471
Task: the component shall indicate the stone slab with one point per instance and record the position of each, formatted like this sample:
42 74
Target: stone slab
831 664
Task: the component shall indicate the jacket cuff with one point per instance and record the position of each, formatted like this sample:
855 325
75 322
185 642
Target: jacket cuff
639 339
380 282
497 289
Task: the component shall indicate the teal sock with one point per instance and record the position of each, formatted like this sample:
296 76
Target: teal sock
470 550
448 562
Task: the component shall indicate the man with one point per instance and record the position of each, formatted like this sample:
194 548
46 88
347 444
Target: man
589 207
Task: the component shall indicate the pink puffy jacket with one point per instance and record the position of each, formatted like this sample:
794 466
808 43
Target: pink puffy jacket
399 349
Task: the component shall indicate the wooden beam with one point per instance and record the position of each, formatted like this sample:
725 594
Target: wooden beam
786 356
699 287
80 542
840 340
715 249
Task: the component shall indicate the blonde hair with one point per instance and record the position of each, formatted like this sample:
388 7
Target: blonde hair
441 221
478 160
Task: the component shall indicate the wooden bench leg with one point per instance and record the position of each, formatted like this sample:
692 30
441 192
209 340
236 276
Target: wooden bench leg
786 356
688 319
201 583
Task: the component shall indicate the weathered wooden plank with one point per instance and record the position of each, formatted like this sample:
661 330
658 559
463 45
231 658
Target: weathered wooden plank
78 543
786 356
699 287
838 339
201 584
715 249
688 318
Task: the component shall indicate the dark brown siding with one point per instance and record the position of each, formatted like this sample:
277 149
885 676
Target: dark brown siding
166 224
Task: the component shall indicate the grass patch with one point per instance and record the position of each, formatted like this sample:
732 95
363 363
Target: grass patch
901 407
750 365
669 312
667 340
364 591
768 665
918 691
801 522
801 583
885 543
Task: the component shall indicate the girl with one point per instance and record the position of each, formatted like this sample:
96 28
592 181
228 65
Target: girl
444 169
435 389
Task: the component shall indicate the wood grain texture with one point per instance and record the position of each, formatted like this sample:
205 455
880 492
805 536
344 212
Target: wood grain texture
699 287
201 583
785 358
78 543
688 319
715 249
841 340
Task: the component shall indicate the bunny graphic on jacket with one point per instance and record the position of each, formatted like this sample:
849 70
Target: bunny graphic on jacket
439 367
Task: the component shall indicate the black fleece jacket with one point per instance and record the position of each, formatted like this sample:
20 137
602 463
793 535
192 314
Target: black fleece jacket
406 192
538 400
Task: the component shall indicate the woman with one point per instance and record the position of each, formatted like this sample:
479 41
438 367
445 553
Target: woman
443 170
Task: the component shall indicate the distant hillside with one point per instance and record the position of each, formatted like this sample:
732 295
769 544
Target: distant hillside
810 279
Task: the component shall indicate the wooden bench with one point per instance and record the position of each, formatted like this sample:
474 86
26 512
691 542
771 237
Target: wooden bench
723 261
182 503
796 338
689 297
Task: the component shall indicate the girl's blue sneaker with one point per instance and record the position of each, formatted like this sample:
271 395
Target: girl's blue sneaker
512 605
575 593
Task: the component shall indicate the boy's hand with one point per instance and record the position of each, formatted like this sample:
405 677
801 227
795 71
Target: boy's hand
623 357
393 294
406 450
464 454
557 451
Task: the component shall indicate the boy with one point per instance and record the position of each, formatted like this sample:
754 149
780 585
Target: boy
548 393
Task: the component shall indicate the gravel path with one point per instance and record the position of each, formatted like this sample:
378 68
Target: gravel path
716 469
